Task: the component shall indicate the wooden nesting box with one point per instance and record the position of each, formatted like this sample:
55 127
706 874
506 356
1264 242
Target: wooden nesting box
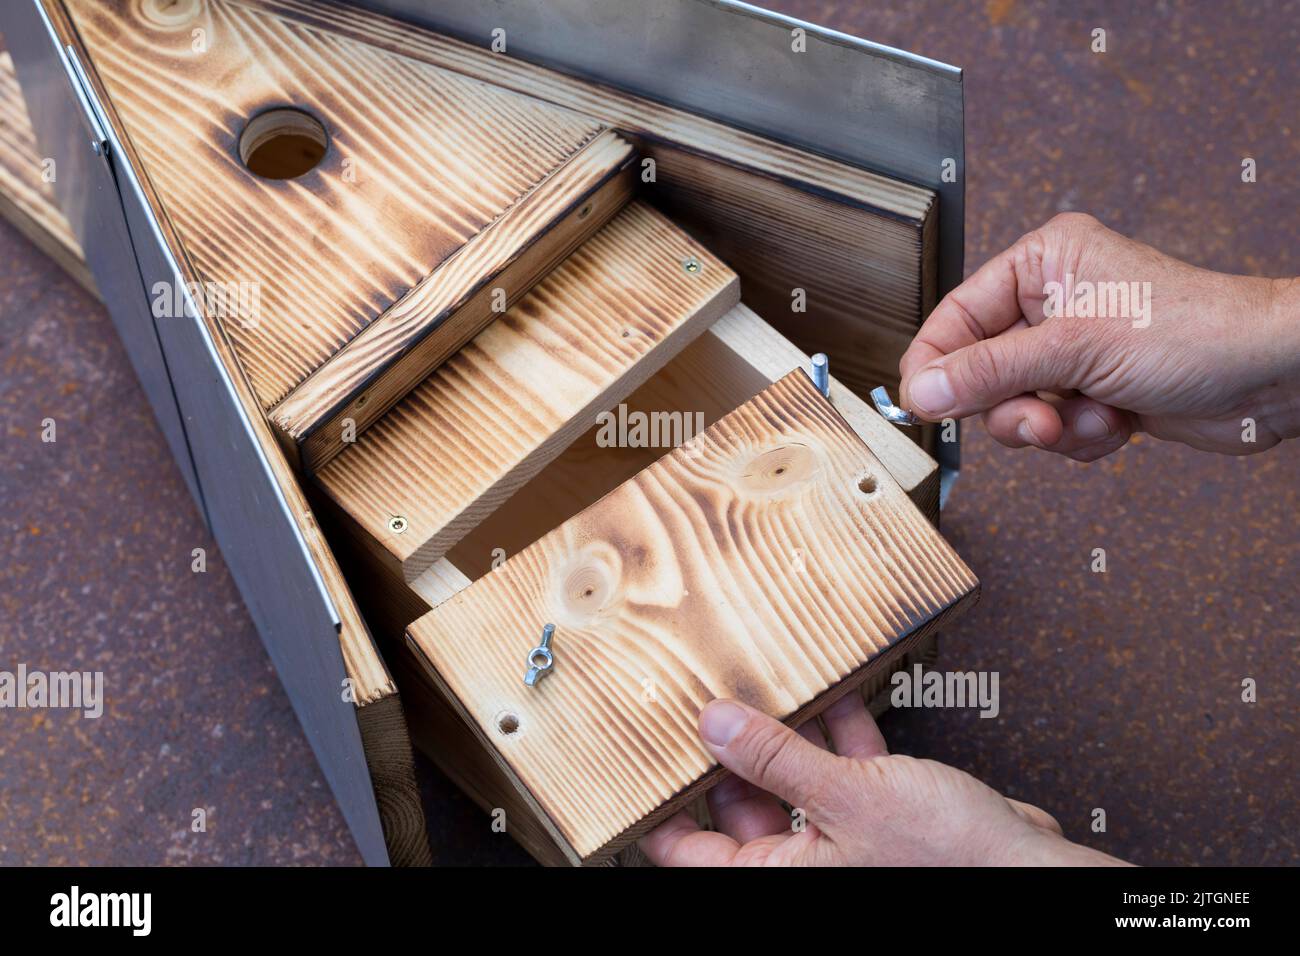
510 348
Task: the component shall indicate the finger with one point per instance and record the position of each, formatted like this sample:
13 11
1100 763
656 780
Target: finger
1080 428
679 841
1024 421
1039 818
765 752
852 728
1092 429
743 812
978 377
984 305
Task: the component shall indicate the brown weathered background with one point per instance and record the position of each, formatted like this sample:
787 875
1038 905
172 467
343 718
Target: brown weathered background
1119 691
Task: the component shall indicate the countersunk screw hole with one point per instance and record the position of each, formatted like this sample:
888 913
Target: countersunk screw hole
867 485
507 723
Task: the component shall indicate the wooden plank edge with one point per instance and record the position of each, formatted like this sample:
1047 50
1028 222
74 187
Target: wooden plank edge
887 661
669 347
386 741
399 348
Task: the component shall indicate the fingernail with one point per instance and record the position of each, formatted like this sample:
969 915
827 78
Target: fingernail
1090 426
1026 434
931 391
720 721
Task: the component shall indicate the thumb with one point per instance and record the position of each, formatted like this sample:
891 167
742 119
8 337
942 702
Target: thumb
766 752
976 378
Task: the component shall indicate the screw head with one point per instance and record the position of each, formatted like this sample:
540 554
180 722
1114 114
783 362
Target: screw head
692 265
398 523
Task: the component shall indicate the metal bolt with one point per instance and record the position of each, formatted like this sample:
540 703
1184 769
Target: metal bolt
398 523
540 658
821 374
692 265
890 411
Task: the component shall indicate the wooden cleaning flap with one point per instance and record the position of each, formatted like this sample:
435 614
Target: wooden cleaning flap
771 559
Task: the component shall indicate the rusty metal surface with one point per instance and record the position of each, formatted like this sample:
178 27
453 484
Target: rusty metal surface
95 575
1119 691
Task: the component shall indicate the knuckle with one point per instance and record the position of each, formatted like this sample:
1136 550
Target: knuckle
835 798
1073 222
967 317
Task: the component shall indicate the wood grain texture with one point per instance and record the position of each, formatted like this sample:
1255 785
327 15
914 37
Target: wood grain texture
26 198
497 412
401 347
379 712
860 244
737 358
391 763
618 109
435 728
421 161
863 291
770 561
765 349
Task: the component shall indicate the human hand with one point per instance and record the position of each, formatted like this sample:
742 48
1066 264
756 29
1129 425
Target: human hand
863 806
1196 354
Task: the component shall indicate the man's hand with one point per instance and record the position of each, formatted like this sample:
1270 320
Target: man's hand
859 806
1204 352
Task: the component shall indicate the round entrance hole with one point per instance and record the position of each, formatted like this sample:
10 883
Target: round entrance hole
282 143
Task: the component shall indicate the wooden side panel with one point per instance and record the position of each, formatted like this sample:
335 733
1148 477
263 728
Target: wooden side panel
504 406
770 560
420 162
826 272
